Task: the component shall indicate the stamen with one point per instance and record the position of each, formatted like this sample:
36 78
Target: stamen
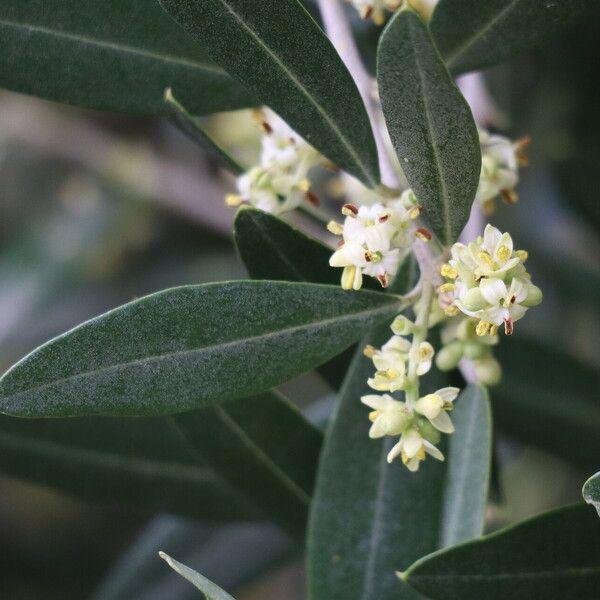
313 199
383 280
520 147
349 210
448 271
424 234
508 326
233 200
509 196
335 228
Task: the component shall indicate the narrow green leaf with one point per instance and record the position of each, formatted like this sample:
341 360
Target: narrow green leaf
591 491
190 347
207 587
430 124
555 390
277 50
265 449
193 129
109 55
552 556
119 460
468 468
471 34
369 518
272 249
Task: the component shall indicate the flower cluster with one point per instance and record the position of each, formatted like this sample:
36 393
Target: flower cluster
375 9
460 340
500 162
418 426
489 282
372 239
279 183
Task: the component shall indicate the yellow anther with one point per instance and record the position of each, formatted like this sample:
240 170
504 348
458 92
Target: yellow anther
493 329
523 255
369 351
446 287
503 253
483 328
303 185
391 374
415 212
421 454
486 258
335 228
404 456
373 415
425 352
233 200
451 311
448 271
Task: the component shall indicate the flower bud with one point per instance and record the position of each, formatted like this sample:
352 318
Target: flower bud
488 370
534 295
402 326
428 431
449 356
474 300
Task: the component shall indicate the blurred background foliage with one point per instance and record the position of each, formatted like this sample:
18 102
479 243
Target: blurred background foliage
97 209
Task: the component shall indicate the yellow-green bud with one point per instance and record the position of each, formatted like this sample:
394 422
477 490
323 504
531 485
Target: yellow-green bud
534 295
488 370
428 431
475 350
449 356
402 326
474 300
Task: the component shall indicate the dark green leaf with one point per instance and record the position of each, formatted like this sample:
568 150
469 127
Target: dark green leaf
471 34
190 347
207 587
545 393
192 127
277 50
430 124
272 249
110 55
370 518
119 459
552 556
591 491
265 449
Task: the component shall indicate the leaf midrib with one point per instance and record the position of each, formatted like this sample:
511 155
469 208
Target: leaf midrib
478 34
166 58
209 348
349 148
445 197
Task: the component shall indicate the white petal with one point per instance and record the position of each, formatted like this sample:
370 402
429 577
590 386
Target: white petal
375 401
379 427
423 367
394 452
443 422
412 442
432 450
413 464
491 237
448 394
493 290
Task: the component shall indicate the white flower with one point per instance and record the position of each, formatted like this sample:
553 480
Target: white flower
412 448
371 226
499 169
390 363
351 256
435 406
389 417
423 355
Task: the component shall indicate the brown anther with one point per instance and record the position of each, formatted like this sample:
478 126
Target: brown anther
313 198
366 12
368 256
508 326
292 141
521 146
383 280
423 234
384 218
509 196
349 210
330 166
266 127
340 243
512 299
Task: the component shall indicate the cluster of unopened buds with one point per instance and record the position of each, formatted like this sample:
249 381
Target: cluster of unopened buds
487 280
374 239
500 162
279 183
375 9
419 421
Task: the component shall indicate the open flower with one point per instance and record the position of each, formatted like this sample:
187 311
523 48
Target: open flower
389 416
390 363
435 407
412 448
